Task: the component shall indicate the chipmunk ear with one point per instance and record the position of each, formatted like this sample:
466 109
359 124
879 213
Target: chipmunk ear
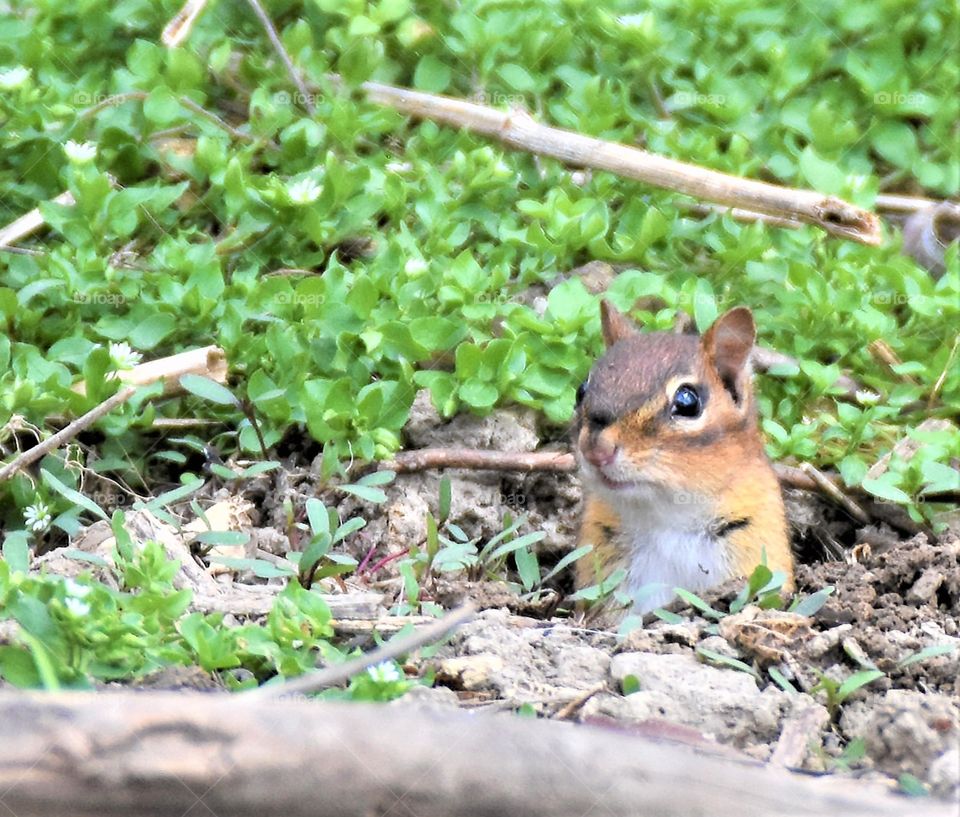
727 345
616 326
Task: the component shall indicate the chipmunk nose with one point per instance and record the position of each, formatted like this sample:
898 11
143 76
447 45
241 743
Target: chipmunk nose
598 450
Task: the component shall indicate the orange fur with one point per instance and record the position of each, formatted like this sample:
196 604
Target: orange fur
711 467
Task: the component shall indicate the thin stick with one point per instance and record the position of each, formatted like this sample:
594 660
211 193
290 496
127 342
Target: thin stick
764 359
54 441
576 704
212 118
517 129
739 214
893 203
830 488
208 361
267 23
935 391
423 459
180 26
30 222
311 682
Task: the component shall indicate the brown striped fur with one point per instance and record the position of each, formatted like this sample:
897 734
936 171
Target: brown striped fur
712 468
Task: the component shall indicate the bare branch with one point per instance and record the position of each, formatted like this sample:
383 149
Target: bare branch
330 676
517 129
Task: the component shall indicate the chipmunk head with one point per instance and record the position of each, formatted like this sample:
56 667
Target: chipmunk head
663 411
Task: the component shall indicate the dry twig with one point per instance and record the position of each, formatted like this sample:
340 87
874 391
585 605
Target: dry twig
338 673
518 129
54 441
301 86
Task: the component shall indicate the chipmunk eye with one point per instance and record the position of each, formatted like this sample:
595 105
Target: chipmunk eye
686 402
581 392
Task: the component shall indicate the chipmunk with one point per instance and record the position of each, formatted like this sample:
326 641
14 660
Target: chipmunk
678 491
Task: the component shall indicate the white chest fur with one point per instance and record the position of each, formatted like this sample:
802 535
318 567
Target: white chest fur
668 545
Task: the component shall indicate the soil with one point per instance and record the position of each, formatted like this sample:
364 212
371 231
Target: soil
893 598
697 680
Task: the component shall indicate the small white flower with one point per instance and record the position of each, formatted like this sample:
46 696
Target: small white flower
75 606
123 356
14 78
641 20
37 516
385 672
75 589
80 153
305 191
415 267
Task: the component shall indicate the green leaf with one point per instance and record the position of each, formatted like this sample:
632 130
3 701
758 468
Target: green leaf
171 496
71 495
856 681
726 660
365 492
781 680
927 652
883 489
222 538
153 330
318 517
16 550
695 601
431 75
823 176
478 394
528 567
376 478
208 389
516 76
811 605
912 786
260 567
573 556
443 509
629 684
161 107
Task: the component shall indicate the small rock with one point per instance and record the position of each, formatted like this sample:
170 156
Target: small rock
905 730
944 777
470 672
430 698
721 703
924 589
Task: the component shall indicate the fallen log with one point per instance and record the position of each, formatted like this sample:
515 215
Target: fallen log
157 754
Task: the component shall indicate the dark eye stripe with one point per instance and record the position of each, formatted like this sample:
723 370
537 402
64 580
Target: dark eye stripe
581 392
